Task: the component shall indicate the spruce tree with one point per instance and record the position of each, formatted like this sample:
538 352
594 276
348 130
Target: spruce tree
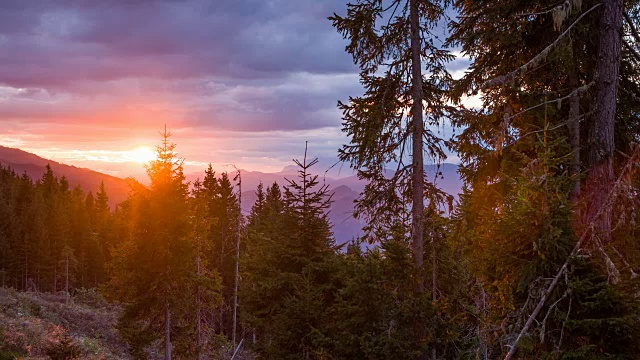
402 67
207 282
286 268
524 161
222 210
152 271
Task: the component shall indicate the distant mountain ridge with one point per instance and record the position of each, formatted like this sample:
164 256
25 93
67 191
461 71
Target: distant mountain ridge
345 189
89 180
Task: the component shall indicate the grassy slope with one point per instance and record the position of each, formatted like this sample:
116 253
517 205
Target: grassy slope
31 324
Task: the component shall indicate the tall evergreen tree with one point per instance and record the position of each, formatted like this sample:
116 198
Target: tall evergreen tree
207 284
223 212
307 203
521 209
152 272
285 269
402 68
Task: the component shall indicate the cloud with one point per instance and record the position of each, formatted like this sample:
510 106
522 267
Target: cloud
109 74
168 40
249 65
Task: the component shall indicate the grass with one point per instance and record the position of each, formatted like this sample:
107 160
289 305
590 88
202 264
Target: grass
37 325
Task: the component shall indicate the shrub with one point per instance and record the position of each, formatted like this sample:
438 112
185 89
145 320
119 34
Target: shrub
64 349
89 297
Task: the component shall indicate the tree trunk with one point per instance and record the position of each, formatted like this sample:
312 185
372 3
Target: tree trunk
417 181
481 305
237 274
26 269
83 265
574 133
167 332
434 282
221 312
66 275
198 336
601 139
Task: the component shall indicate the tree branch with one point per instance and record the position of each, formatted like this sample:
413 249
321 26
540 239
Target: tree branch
588 230
632 50
541 12
634 32
576 91
501 80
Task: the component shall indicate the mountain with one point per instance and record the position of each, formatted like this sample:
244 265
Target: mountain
345 191
34 166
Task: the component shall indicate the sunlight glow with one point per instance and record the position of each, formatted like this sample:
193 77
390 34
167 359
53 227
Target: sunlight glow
140 155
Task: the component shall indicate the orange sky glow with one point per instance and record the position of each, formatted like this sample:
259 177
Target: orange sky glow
122 151
236 83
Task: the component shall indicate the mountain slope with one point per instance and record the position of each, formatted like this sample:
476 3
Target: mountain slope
34 166
346 189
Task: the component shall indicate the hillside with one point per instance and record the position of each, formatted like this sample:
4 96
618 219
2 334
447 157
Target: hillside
346 189
34 166
34 325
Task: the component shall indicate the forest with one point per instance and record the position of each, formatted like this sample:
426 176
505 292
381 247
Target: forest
537 258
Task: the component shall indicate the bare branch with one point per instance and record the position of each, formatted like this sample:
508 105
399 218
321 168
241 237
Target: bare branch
634 32
626 264
553 306
582 117
563 324
632 50
542 12
588 230
576 91
501 80
612 270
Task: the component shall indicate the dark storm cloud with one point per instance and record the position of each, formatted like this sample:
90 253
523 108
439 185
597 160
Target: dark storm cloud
56 44
246 65
227 64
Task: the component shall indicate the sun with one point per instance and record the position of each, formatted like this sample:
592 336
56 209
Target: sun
141 155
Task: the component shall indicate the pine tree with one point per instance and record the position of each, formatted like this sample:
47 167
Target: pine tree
402 67
524 177
307 202
286 268
208 283
100 239
223 212
152 272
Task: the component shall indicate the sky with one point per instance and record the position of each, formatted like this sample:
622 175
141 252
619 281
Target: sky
244 82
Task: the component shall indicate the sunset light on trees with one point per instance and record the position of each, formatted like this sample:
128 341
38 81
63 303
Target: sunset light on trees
315 180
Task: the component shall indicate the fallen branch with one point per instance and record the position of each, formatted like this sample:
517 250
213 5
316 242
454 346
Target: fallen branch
501 80
563 324
626 264
588 231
